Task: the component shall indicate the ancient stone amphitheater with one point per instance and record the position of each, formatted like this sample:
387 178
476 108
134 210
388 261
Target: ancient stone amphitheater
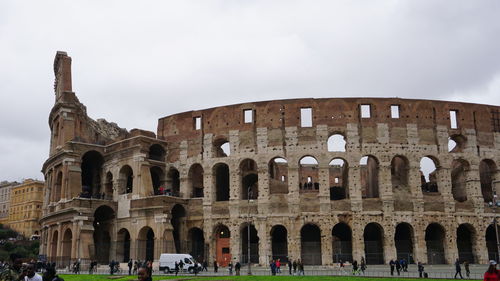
320 180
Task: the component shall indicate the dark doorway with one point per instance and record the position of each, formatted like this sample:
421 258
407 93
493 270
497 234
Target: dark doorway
491 243
103 218
374 244
403 239
177 221
123 247
465 238
279 242
91 173
222 182
254 245
310 244
434 240
197 244
342 243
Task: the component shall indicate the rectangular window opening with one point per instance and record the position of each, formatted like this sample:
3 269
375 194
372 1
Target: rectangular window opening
197 123
495 120
365 111
336 180
395 111
309 179
248 116
283 178
306 117
453 119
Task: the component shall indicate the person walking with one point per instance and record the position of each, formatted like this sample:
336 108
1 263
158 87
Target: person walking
363 265
230 268
398 266
272 265
289 264
176 268
392 264
300 266
205 266
404 265
492 273
216 267
143 274
355 269
237 268
458 269
294 267
130 264
111 267
420 268
467 269
278 266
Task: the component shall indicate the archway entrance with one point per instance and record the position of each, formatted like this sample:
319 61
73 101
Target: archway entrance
177 221
254 244
403 239
222 245
434 240
123 246
342 243
491 243
53 250
146 244
465 244
279 243
197 244
374 243
103 218
310 244
66 244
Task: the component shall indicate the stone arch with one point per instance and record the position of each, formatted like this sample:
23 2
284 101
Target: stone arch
53 251
91 166
342 242
58 187
434 241
222 182
108 186
373 236
428 174
459 169
400 167
308 173
157 180
254 243
195 180
278 176
404 238
222 237
103 220
249 179
336 143
466 240
123 245
487 174
279 243
146 244
156 152
222 147
173 182
178 223
310 242
491 242
339 179
196 243
126 180
369 169
456 143
67 244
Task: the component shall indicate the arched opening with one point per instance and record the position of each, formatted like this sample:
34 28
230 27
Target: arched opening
399 173
491 243
157 153
178 221
465 243
222 245
58 187
53 251
173 183
403 239
338 177
126 179
278 176
279 243
374 243
342 243
222 147
146 244
108 186
459 169
308 174
310 244
487 173
336 143
434 241
91 174
456 143
157 180
103 220
428 177
249 179
66 244
254 244
197 244
195 178
123 245
221 172
369 177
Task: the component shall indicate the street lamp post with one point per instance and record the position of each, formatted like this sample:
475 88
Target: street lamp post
494 205
249 192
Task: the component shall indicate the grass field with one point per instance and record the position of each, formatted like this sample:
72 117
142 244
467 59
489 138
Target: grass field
85 277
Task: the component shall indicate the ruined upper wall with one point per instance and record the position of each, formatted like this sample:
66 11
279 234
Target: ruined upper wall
334 113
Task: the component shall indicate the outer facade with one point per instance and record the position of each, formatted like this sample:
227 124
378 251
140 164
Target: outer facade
315 179
26 207
5 188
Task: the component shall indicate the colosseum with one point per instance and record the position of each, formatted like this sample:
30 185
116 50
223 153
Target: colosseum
320 180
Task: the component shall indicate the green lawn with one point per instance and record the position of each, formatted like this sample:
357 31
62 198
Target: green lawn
85 277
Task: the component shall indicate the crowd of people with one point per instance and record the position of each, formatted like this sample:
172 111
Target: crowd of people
16 270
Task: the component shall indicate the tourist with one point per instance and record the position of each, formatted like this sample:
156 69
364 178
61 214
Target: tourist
355 269
467 269
143 274
176 268
205 266
273 267
31 275
278 266
458 269
391 265
237 268
289 264
130 264
363 265
300 266
398 266
404 265
294 267
216 266
420 268
492 273
111 267
230 268
50 275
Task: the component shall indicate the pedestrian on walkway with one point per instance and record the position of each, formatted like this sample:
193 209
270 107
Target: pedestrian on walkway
492 273
272 265
467 269
458 269
176 268
289 266
237 268
392 264
294 267
420 268
216 267
130 264
230 268
363 265
300 266
205 266
398 266
355 269
278 266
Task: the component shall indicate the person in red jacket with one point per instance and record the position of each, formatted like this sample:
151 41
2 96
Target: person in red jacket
492 273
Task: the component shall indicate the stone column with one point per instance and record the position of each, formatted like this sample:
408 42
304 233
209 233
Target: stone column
59 240
263 184
264 242
326 245
324 188
74 240
415 183
473 188
450 243
358 243
354 180
293 186
389 244
443 175
385 188
235 243
419 245
294 245
479 246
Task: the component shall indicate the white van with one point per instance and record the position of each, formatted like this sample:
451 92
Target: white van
167 262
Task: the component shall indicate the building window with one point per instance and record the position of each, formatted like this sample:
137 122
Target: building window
453 119
495 120
248 116
306 117
365 111
394 111
197 123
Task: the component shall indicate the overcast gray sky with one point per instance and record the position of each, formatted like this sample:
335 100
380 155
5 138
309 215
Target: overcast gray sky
137 61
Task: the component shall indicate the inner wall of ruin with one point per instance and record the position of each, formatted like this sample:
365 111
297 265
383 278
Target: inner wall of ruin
321 180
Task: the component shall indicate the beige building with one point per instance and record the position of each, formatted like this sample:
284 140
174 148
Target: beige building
5 188
26 201
315 179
